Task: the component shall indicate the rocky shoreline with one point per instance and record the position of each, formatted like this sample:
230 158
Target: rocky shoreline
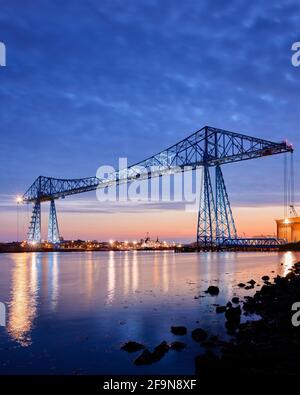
269 345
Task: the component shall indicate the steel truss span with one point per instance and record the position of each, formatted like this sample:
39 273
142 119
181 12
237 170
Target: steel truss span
208 147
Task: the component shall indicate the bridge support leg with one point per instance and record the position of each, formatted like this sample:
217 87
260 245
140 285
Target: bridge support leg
215 219
225 226
34 232
53 232
207 214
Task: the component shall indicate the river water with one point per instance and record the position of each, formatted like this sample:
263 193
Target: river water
69 313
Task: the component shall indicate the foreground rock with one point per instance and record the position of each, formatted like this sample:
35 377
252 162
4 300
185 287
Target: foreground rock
212 290
147 357
268 346
233 317
179 330
199 335
177 346
132 346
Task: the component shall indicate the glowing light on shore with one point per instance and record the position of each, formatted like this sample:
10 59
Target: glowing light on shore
19 199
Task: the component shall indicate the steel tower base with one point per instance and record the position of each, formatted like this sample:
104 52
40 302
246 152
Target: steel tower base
53 231
34 232
215 219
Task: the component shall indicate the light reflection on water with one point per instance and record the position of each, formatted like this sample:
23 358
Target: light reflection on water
23 304
56 299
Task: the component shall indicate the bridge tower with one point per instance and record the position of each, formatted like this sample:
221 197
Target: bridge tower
34 232
215 219
53 231
206 230
224 219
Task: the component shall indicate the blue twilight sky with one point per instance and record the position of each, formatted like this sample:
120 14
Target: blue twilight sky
87 82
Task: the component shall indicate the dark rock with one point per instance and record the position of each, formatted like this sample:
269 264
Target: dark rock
199 335
146 358
160 351
213 290
179 330
220 309
241 285
208 344
177 346
265 346
251 282
207 365
235 300
132 346
265 278
233 316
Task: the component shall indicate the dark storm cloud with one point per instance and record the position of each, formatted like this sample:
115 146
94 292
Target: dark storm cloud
89 81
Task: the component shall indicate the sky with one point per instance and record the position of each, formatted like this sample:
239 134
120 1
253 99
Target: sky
87 82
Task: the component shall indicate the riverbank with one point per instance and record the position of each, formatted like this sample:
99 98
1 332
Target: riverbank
66 250
266 345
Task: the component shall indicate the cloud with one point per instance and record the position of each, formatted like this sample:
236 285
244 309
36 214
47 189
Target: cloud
89 82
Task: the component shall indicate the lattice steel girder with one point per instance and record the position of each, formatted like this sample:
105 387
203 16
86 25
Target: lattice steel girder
225 226
207 146
206 229
253 242
53 231
34 232
48 188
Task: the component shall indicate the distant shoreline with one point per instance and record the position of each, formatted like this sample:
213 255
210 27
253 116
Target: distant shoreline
3 251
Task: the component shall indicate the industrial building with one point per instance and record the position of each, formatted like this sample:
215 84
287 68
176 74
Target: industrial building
289 229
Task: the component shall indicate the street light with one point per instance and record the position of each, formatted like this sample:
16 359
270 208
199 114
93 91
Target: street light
19 200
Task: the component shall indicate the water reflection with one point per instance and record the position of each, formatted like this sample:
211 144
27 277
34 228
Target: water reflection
111 277
126 273
23 305
289 258
53 279
69 285
135 271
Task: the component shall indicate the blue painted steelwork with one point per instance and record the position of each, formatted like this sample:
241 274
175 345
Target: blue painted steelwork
206 230
224 218
34 232
261 242
207 147
53 231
